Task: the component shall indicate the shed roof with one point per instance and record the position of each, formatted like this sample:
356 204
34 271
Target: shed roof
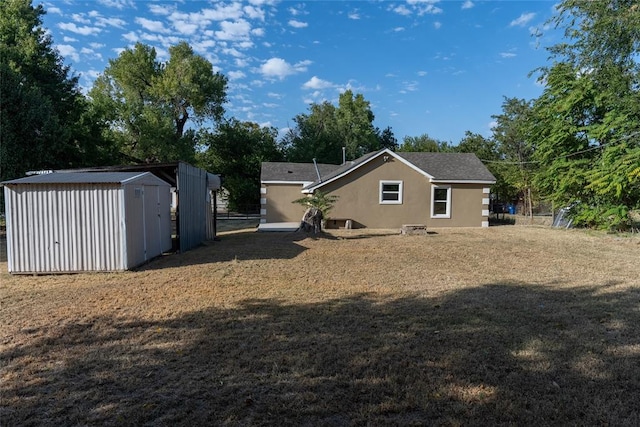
88 178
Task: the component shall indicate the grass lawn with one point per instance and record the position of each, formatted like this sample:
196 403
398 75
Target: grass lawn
501 326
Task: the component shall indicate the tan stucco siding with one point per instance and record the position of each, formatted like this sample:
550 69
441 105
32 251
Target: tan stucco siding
278 206
466 207
359 195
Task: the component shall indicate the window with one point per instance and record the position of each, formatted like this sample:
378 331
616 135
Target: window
390 192
440 201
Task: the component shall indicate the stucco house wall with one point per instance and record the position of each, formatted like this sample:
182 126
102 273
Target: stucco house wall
276 203
385 190
359 195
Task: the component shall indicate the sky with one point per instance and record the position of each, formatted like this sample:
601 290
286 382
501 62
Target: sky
426 66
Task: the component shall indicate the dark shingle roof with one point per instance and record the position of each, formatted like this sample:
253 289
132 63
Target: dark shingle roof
294 172
441 166
450 166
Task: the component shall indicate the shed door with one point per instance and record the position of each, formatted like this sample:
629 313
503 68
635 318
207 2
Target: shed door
152 229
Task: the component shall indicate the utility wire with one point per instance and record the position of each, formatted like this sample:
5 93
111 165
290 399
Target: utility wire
508 162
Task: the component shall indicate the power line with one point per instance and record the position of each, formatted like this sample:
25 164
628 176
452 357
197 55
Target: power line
508 162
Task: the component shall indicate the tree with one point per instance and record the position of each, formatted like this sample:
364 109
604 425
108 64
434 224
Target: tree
315 136
236 150
387 139
488 151
43 121
326 129
588 121
148 103
355 125
512 134
322 201
424 143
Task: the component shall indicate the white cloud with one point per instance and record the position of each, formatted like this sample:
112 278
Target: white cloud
202 46
297 24
79 17
421 7
409 86
223 12
85 31
68 39
279 68
422 73
522 20
161 9
185 28
53 9
468 4
295 12
111 22
398 29
402 10
131 36
118 4
96 45
68 51
254 13
149 25
238 30
437 25
353 15
317 83
508 54
235 75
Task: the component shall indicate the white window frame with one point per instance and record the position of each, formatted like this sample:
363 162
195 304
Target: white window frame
447 214
391 182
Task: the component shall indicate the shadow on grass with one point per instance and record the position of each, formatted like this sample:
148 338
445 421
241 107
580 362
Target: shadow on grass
499 354
247 244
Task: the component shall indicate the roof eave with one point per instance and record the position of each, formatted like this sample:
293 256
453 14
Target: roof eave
385 151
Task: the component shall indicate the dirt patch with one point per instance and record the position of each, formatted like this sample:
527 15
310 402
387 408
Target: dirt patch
506 325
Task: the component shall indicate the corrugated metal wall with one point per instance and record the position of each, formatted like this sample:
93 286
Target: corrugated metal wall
192 205
53 228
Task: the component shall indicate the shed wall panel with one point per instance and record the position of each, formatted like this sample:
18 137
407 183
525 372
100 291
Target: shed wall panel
192 202
60 228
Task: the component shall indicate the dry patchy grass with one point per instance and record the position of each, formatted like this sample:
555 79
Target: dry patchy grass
499 326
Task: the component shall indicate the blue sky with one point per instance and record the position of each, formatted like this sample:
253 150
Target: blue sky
426 66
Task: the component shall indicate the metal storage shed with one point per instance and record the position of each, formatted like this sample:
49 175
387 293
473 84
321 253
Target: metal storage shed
195 188
72 222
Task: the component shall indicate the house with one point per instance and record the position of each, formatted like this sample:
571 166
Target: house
384 189
92 221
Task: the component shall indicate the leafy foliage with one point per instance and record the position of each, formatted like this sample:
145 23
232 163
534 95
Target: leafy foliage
236 150
424 143
326 129
322 201
587 121
148 103
43 118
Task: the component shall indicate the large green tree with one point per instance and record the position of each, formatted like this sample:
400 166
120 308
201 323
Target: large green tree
148 103
44 123
587 119
424 143
488 150
326 129
236 151
512 133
